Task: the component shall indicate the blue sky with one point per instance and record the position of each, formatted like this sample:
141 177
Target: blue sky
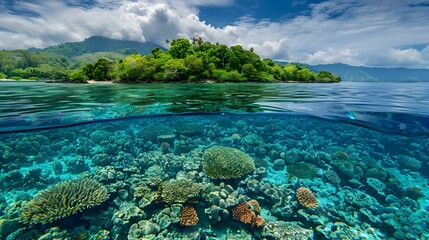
382 33
274 10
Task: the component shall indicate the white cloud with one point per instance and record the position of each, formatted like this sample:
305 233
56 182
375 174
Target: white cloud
366 32
332 55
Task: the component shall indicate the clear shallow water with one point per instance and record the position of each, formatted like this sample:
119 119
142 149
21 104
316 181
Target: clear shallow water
362 149
390 107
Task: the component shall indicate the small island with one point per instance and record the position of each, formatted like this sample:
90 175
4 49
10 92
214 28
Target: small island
186 60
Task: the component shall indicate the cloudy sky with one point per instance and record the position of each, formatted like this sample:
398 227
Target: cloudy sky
382 33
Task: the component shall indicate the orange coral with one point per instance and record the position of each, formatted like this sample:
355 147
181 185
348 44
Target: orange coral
258 221
306 197
244 213
188 216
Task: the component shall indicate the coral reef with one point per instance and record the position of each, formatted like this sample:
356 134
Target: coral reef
63 199
332 176
302 170
366 185
226 163
286 231
151 132
179 190
244 213
306 197
188 216
219 199
409 162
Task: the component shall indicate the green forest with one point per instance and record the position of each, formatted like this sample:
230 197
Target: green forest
186 60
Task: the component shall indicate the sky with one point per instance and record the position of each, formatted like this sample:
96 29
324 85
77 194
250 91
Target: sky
376 33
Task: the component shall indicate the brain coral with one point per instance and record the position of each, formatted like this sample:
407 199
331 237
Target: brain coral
226 163
63 199
306 197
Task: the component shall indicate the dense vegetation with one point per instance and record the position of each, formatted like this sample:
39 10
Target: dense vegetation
185 61
196 61
57 62
18 64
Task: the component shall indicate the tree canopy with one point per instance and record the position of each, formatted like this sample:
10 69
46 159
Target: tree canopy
185 61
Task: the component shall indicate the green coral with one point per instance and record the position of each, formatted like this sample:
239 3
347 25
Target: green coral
226 163
302 170
63 199
179 190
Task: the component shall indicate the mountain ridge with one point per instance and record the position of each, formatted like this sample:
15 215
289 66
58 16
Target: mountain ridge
350 73
96 44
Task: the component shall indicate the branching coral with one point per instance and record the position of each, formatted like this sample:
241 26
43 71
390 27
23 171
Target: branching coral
63 199
306 197
179 190
226 163
188 216
243 212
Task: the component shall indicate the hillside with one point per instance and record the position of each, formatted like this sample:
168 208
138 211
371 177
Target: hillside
99 44
57 62
363 74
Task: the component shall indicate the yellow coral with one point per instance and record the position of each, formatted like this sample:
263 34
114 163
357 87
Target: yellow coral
63 199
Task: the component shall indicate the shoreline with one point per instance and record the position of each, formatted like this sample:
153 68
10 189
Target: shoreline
99 82
180 82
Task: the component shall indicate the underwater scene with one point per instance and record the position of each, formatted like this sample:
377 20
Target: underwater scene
221 162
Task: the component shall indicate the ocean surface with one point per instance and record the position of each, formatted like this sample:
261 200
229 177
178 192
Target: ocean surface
214 161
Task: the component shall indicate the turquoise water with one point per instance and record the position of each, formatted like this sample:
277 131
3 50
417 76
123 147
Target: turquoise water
164 155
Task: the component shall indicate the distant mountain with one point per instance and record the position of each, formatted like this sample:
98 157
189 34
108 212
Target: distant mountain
360 74
99 44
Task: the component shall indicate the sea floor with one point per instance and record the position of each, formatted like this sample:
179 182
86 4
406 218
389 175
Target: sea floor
213 176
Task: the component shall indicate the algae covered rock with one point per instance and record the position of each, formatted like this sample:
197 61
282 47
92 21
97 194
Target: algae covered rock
226 163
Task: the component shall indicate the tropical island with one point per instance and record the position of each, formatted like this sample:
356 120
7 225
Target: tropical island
186 60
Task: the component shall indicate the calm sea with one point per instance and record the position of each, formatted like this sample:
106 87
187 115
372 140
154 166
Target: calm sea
362 149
